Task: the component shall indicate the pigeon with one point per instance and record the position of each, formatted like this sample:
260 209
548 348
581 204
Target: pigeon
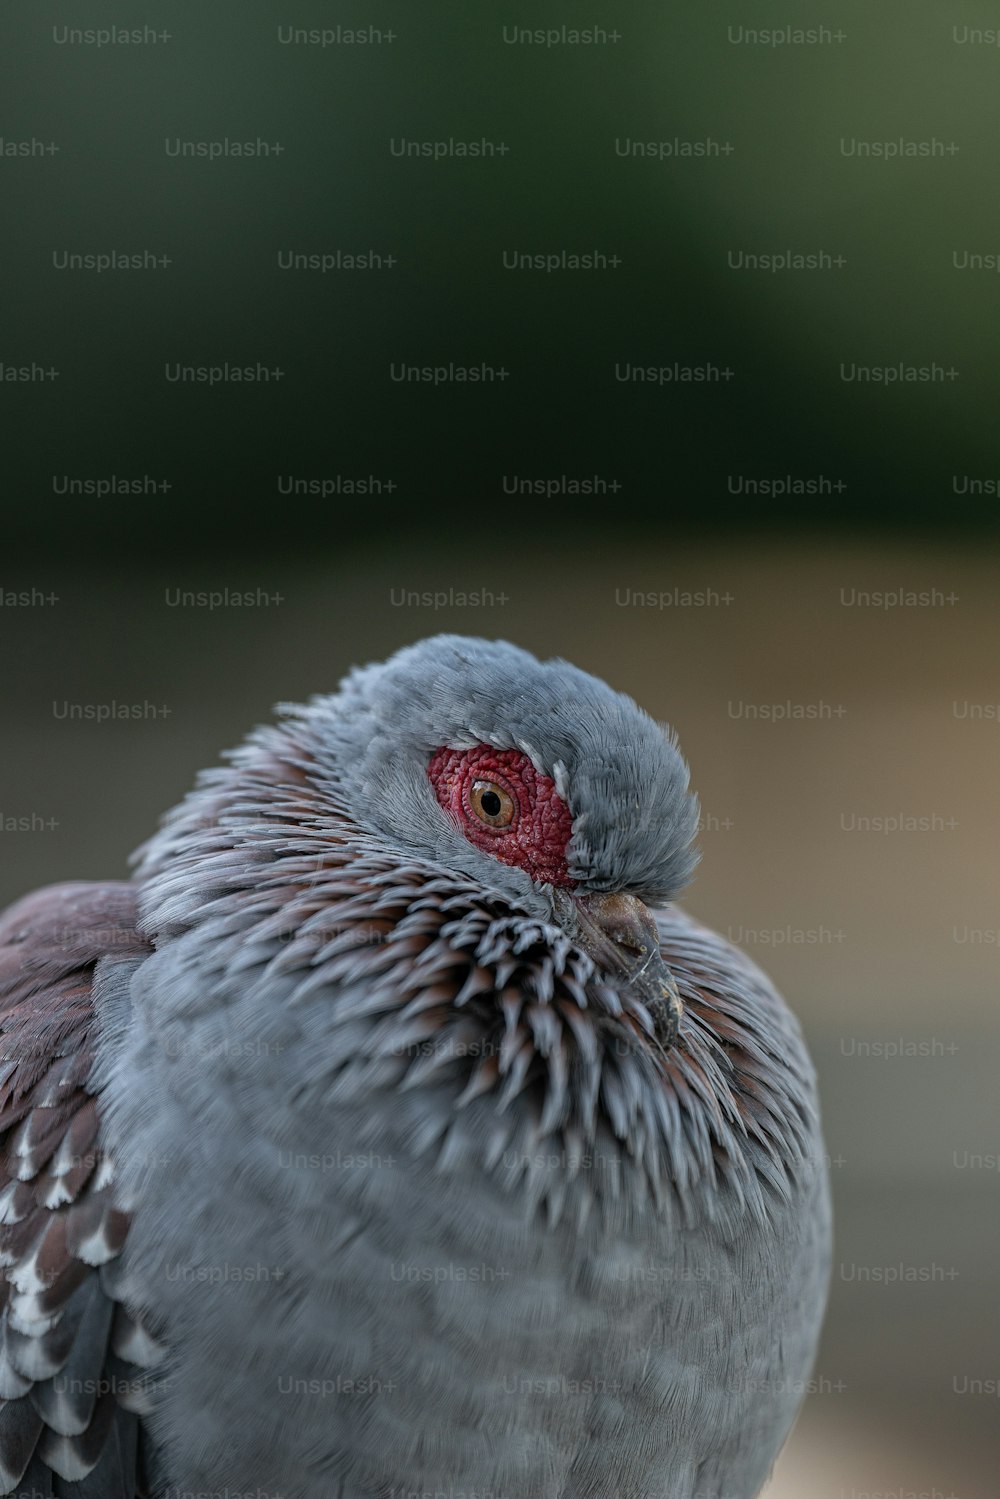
393 1132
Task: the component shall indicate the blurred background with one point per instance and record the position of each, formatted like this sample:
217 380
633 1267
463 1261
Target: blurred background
782 538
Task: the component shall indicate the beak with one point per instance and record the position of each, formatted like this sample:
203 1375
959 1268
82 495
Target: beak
620 933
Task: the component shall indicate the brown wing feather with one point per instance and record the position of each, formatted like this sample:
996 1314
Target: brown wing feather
68 1403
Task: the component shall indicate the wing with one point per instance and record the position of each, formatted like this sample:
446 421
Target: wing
71 1357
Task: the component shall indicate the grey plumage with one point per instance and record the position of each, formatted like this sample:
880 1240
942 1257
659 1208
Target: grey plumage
418 1201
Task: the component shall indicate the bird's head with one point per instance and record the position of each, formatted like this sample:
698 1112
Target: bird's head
532 777
528 779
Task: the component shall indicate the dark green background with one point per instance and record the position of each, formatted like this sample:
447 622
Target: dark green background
897 73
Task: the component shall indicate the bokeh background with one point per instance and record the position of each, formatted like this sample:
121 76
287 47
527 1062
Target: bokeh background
798 569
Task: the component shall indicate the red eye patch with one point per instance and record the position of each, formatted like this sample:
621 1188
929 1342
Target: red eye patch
536 828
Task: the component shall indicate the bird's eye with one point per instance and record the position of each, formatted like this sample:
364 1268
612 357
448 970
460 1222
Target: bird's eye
492 804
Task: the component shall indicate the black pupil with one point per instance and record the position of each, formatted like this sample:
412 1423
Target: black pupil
491 804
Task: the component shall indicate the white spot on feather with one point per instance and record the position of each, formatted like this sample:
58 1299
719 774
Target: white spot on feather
63 1457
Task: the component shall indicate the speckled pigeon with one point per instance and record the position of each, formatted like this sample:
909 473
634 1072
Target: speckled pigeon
392 1133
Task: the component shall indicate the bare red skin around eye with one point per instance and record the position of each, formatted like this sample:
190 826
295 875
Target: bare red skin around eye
537 838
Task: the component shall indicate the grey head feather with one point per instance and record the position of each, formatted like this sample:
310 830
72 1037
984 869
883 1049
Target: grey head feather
621 773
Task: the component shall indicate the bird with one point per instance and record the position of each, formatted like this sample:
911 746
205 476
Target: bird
393 1131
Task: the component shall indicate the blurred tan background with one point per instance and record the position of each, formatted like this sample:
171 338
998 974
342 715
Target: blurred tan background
845 754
